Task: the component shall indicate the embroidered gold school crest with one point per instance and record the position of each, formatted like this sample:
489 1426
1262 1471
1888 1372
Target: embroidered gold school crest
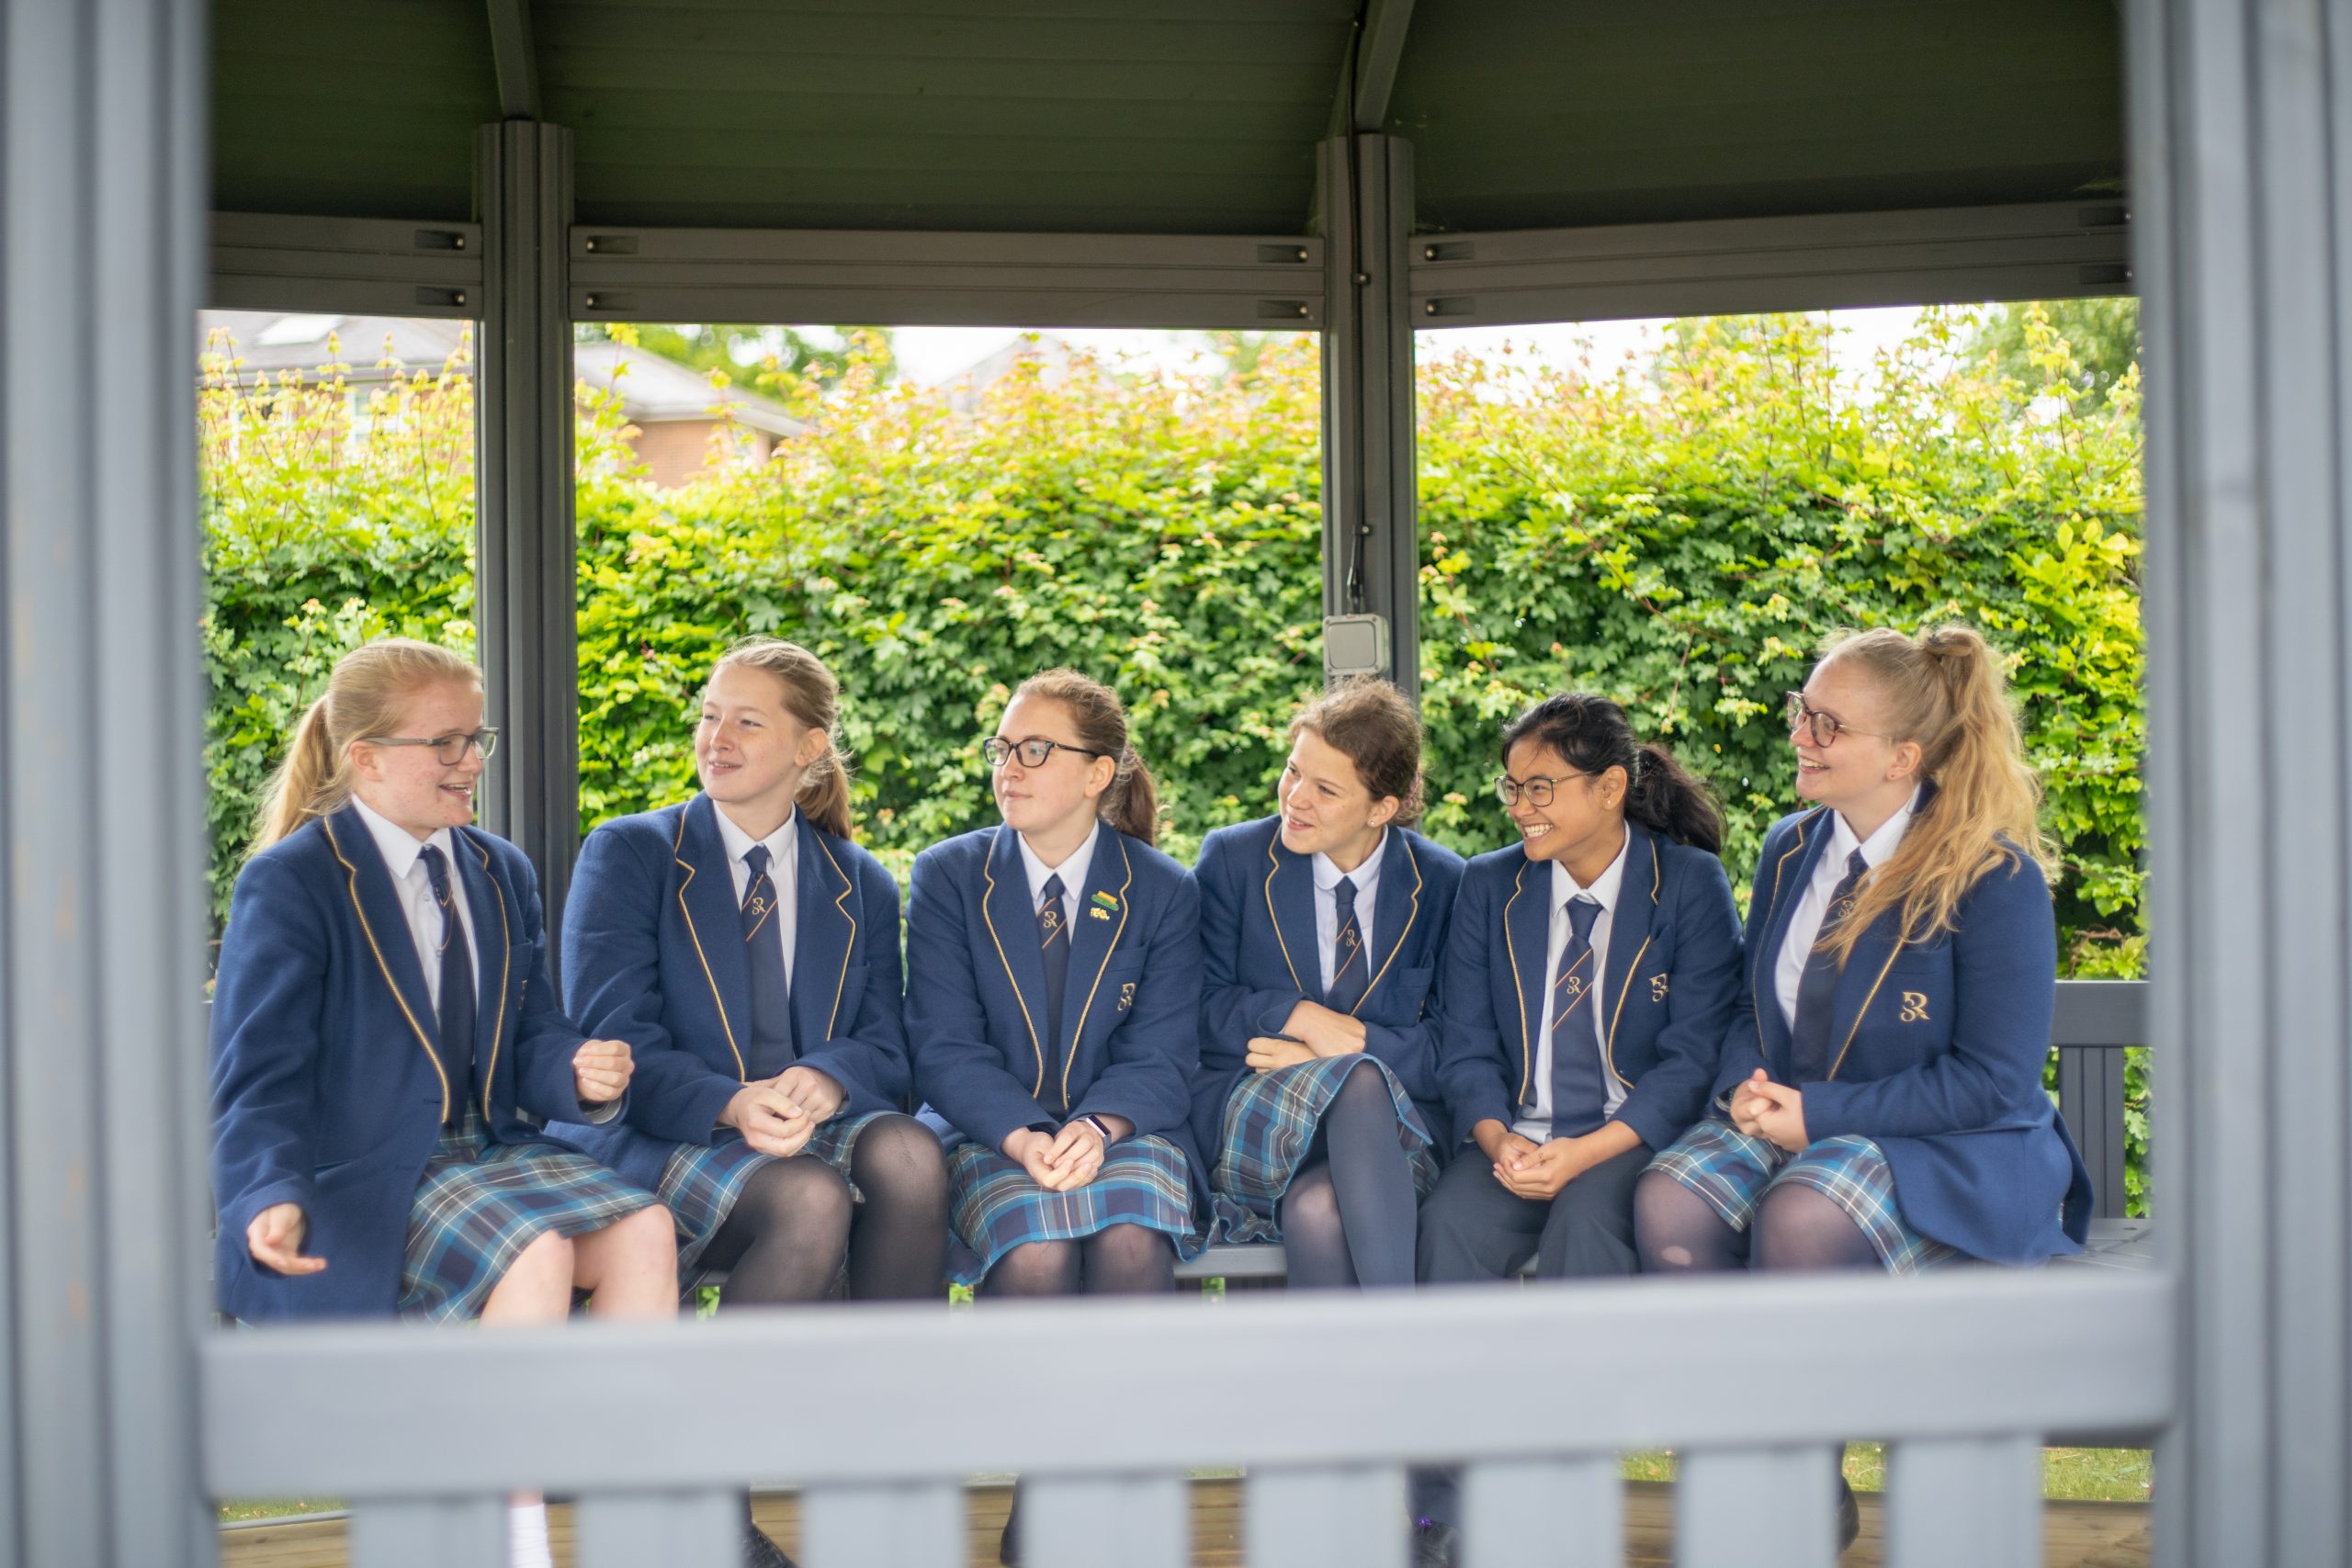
1915 1008
1657 988
1574 984
1126 996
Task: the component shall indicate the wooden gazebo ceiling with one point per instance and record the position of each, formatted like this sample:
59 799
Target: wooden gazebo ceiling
1108 116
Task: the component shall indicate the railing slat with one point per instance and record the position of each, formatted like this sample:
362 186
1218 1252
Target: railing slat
464 1532
1575 1508
1960 1502
1757 1508
659 1529
1134 1521
1325 1518
916 1524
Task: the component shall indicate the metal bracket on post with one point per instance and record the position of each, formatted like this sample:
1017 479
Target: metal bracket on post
1370 543
525 561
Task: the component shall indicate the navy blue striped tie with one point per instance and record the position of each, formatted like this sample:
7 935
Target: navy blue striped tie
1579 1093
456 1006
1817 988
1052 945
773 1046
1350 966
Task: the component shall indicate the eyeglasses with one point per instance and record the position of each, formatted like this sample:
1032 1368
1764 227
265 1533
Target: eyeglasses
1820 727
1538 791
1034 751
450 750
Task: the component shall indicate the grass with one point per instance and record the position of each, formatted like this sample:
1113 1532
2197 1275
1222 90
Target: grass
2082 1475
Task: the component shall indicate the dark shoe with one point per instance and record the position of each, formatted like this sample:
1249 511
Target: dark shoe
1849 1515
758 1551
1435 1545
1008 1545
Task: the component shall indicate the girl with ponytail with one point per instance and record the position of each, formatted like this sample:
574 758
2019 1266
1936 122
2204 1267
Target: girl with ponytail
1589 980
1878 1103
749 950
385 1043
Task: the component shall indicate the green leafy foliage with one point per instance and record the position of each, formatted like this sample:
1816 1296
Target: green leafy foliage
1679 538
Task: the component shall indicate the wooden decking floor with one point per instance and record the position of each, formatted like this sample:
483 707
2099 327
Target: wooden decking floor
2074 1535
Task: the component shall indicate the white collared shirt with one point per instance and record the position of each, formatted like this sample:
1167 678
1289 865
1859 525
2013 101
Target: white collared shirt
1536 1125
1327 905
1812 904
783 873
401 850
1072 871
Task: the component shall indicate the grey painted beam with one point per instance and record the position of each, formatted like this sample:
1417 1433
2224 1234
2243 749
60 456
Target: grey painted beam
1929 256
320 1410
525 588
515 60
344 265
1379 51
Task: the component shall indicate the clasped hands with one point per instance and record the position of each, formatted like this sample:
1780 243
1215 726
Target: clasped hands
1526 1168
1063 1161
1773 1111
779 1115
1312 1030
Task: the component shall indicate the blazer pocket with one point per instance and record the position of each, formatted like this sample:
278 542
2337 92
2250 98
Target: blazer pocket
852 993
1404 993
1116 990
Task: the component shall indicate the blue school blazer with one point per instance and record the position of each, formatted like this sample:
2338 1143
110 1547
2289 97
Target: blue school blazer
976 993
1668 990
1261 957
653 954
326 1092
1935 1054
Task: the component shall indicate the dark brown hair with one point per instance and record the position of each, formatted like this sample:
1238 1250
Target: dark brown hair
1592 734
1369 721
1132 803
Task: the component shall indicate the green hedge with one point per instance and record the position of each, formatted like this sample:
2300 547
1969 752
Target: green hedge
1678 539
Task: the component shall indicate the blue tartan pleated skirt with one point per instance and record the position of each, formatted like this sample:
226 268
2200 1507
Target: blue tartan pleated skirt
1269 1123
482 1203
1733 1171
994 1205
702 1182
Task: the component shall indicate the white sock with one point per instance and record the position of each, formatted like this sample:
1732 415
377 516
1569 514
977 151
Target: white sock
526 1536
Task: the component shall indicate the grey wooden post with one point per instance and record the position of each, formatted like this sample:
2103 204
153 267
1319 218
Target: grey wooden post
1370 543
2239 131
102 197
526 561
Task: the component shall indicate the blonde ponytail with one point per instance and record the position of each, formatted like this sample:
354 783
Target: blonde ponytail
1945 690
367 695
812 696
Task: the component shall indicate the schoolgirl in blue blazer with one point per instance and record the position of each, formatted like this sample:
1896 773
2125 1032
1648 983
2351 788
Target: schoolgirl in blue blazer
385 1038
1321 929
1053 1000
1879 1096
749 951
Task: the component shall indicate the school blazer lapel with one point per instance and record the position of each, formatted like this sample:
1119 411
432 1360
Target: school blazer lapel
1396 911
1527 933
369 886
1790 872
1102 916
1860 984
1011 925
824 934
714 924
1633 928
1290 904
493 919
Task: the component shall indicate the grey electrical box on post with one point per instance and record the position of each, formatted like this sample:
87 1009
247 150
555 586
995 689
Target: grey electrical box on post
1355 645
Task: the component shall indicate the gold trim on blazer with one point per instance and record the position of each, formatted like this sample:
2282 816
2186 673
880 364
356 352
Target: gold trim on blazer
1609 1046
368 931
1892 954
833 1019
677 845
1411 916
1755 971
1036 1089
1274 860
1511 950
505 973
1117 931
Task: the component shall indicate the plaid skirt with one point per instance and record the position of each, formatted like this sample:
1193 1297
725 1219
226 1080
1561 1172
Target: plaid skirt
702 1182
1269 1123
483 1201
994 1205
1733 1171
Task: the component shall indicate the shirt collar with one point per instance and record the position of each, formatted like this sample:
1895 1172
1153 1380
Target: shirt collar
1879 845
1072 870
739 844
1365 877
399 846
1604 887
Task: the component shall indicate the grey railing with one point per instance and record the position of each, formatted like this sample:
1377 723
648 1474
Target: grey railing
2096 1021
879 1416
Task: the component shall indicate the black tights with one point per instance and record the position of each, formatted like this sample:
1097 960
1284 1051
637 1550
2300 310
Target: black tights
897 1240
1795 1228
784 1238
1347 1217
1123 1259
